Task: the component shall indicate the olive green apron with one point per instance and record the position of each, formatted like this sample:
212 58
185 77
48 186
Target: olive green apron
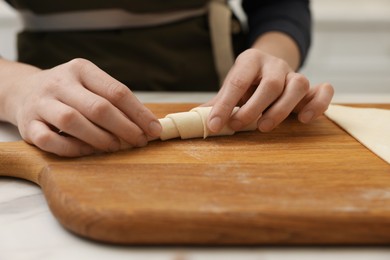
177 56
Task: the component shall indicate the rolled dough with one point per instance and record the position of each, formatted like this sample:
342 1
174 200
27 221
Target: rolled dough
192 124
370 126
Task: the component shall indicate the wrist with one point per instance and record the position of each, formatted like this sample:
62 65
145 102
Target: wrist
11 87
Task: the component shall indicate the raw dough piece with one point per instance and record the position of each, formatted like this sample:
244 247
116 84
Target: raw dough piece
370 126
192 124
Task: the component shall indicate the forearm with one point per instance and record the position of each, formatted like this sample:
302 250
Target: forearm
10 73
279 45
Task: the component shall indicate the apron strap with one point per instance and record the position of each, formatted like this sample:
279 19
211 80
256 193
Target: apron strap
102 19
220 16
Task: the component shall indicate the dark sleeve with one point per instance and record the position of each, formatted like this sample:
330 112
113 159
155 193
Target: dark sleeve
288 16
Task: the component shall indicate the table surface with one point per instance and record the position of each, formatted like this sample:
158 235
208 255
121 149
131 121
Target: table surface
28 230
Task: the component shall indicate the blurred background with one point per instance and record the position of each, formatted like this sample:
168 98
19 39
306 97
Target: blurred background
351 47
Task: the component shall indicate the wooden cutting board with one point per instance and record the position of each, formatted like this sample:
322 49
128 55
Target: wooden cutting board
300 184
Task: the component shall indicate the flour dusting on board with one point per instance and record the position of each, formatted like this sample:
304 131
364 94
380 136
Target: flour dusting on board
376 194
194 152
349 209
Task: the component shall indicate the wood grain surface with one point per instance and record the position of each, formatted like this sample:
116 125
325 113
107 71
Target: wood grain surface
298 185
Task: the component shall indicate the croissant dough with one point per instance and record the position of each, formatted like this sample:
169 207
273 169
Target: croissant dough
192 124
370 126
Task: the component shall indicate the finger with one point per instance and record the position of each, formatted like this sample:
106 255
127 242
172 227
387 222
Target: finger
75 124
319 100
296 88
270 88
241 77
44 138
119 95
105 115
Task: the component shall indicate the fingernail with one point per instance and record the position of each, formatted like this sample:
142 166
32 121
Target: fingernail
307 116
215 124
142 141
155 128
235 125
266 125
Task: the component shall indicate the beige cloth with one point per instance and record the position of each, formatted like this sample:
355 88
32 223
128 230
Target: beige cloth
370 126
220 17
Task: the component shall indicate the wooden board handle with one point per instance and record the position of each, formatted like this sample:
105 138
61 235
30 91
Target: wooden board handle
21 160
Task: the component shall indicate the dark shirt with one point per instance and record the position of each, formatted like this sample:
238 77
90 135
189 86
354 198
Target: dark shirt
289 16
176 57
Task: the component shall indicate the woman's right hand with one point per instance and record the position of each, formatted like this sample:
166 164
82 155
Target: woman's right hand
77 109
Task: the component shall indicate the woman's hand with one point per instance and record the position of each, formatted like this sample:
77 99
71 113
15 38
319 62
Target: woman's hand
267 89
77 109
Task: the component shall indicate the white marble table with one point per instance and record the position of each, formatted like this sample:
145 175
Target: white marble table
29 231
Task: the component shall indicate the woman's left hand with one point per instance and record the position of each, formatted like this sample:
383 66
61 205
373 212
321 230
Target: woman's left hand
267 89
